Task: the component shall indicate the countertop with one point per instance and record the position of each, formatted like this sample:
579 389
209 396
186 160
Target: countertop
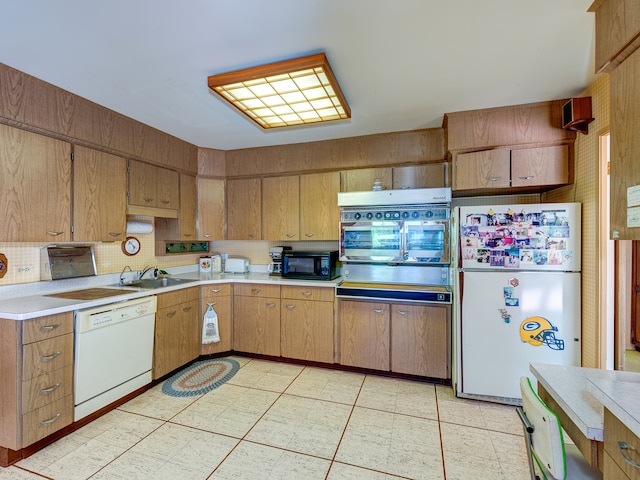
15 305
583 392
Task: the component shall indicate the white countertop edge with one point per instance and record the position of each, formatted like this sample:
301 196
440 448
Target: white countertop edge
620 398
27 307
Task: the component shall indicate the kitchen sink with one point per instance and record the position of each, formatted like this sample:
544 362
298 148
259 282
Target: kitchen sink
157 282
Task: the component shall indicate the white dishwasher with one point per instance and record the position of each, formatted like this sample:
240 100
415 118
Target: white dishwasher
113 352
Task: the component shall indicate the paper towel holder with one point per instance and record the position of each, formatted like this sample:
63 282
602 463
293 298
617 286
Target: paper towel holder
139 227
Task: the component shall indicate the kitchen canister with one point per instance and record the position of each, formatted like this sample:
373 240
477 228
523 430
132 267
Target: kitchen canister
205 265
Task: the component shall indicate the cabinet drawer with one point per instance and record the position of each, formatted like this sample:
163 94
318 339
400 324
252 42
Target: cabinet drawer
178 296
323 294
46 356
616 431
216 290
50 326
257 290
611 470
47 388
46 420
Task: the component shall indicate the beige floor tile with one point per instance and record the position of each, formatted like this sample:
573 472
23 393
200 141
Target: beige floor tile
392 443
119 428
484 454
228 410
40 460
340 471
265 375
156 404
250 461
399 396
303 425
14 473
327 384
171 452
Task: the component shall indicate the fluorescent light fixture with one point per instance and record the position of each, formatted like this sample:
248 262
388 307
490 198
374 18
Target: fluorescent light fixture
292 92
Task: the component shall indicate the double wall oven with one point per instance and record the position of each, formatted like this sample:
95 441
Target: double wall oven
394 244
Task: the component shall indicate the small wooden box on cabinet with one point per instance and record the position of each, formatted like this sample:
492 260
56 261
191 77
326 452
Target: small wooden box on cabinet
576 115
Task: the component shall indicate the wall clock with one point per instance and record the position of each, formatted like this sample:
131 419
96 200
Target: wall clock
130 246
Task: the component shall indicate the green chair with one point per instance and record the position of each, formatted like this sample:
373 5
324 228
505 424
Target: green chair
549 457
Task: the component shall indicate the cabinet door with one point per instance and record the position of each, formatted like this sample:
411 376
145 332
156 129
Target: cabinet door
177 340
187 211
319 211
281 208
420 340
433 175
307 330
142 184
210 209
361 179
167 188
244 209
99 196
540 166
220 296
256 325
35 187
485 169
364 334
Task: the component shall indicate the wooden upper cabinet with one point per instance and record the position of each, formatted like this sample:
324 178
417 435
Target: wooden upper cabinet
184 227
362 179
319 211
617 31
99 196
35 187
485 169
281 208
431 175
153 187
540 166
244 209
210 209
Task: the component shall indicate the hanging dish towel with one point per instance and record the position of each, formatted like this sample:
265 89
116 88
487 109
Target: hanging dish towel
210 326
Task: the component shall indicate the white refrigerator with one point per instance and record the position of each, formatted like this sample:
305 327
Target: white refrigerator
517 288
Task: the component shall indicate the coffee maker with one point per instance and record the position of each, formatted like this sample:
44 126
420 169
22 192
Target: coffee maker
275 268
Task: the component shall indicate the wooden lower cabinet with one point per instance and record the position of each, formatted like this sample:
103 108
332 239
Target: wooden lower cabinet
256 319
219 296
364 334
177 335
402 338
420 340
307 323
36 374
615 466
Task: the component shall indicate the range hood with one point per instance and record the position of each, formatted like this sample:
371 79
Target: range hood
412 196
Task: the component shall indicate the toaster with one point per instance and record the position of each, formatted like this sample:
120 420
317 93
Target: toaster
236 265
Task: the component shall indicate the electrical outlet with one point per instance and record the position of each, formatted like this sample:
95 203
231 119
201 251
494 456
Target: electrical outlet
23 268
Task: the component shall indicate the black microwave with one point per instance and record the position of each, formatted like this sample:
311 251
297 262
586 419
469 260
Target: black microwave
310 265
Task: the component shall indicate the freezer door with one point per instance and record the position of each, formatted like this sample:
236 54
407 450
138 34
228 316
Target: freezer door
510 319
541 237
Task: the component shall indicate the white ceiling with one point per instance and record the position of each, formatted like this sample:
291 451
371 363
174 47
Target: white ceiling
150 59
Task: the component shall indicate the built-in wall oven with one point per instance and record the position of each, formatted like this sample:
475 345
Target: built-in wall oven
394 244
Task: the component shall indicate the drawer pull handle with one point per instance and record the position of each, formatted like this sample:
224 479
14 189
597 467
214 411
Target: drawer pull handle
47 358
186 309
216 290
528 177
115 234
165 202
271 305
51 420
402 312
622 446
48 328
50 389
212 303
54 234
255 290
494 179
309 235
147 199
186 235
378 310
307 293
291 235
290 307
207 235
252 235
171 314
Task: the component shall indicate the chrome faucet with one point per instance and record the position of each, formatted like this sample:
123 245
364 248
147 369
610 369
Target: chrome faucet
122 274
146 269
